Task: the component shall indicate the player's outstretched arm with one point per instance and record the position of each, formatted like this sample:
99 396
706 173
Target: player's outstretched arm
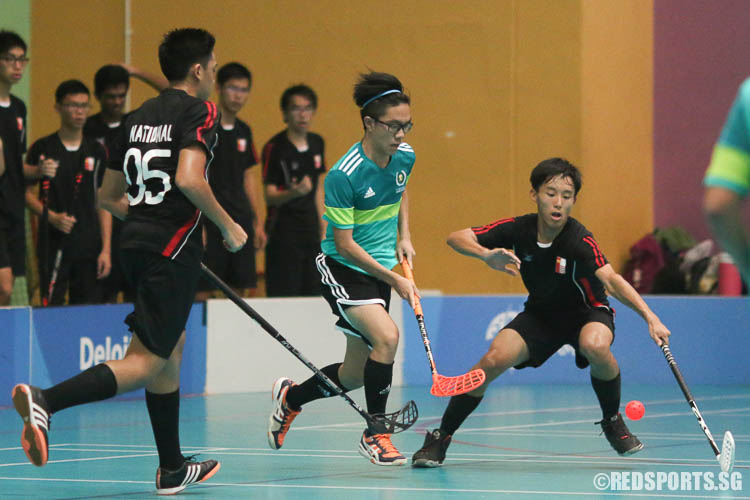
620 289
723 209
190 181
466 243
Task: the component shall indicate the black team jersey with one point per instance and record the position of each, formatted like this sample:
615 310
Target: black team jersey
160 217
12 183
233 155
284 164
84 241
104 133
558 278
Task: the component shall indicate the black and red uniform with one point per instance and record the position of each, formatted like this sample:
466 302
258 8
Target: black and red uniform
106 134
13 187
161 247
293 228
564 292
234 155
76 196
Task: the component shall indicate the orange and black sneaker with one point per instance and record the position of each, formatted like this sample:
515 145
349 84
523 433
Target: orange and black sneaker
172 482
281 416
619 436
29 404
378 449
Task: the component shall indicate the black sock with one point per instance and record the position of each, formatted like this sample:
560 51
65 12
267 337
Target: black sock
378 377
94 384
164 412
459 407
608 393
314 388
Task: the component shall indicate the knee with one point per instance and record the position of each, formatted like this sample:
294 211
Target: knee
595 348
496 360
351 380
387 341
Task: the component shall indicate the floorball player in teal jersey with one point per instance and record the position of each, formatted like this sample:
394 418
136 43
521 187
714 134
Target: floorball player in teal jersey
366 207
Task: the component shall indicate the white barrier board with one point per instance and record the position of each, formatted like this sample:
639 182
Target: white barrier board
242 357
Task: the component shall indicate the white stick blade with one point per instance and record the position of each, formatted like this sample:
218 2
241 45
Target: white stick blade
726 458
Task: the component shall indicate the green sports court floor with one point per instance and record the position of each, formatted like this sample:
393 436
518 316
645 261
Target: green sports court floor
526 442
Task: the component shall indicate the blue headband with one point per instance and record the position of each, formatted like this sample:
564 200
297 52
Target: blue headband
368 101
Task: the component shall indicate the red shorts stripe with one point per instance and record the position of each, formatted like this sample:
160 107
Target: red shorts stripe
590 293
179 235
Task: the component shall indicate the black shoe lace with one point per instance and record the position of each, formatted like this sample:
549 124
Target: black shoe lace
616 426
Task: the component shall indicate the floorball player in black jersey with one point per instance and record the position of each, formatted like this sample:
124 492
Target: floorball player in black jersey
157 183
568 279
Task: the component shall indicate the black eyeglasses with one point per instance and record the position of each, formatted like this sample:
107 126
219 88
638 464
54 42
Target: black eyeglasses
9 59
394 127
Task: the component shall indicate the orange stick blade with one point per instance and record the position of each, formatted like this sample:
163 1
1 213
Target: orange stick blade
453 386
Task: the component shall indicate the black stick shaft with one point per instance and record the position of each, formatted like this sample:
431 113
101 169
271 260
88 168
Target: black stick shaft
289 347
683 385
59 255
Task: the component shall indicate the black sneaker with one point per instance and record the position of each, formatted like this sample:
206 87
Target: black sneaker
171 482
619 436
31 407
432 452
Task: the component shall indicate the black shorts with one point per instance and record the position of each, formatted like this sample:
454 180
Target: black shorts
165 290
13 247
546 333
235 269
344 287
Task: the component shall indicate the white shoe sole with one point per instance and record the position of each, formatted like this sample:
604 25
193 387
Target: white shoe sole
366 453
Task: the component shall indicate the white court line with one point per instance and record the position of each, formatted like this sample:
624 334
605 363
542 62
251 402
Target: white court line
94 459
727 411
594 435
596 407
588 421
528 459
379 488
349 453
485 457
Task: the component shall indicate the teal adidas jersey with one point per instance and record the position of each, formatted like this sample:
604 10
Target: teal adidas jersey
363 197
730 162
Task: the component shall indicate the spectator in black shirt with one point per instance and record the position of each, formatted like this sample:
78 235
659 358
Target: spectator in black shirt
234 182
69 219
13 61
293 174
111 85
